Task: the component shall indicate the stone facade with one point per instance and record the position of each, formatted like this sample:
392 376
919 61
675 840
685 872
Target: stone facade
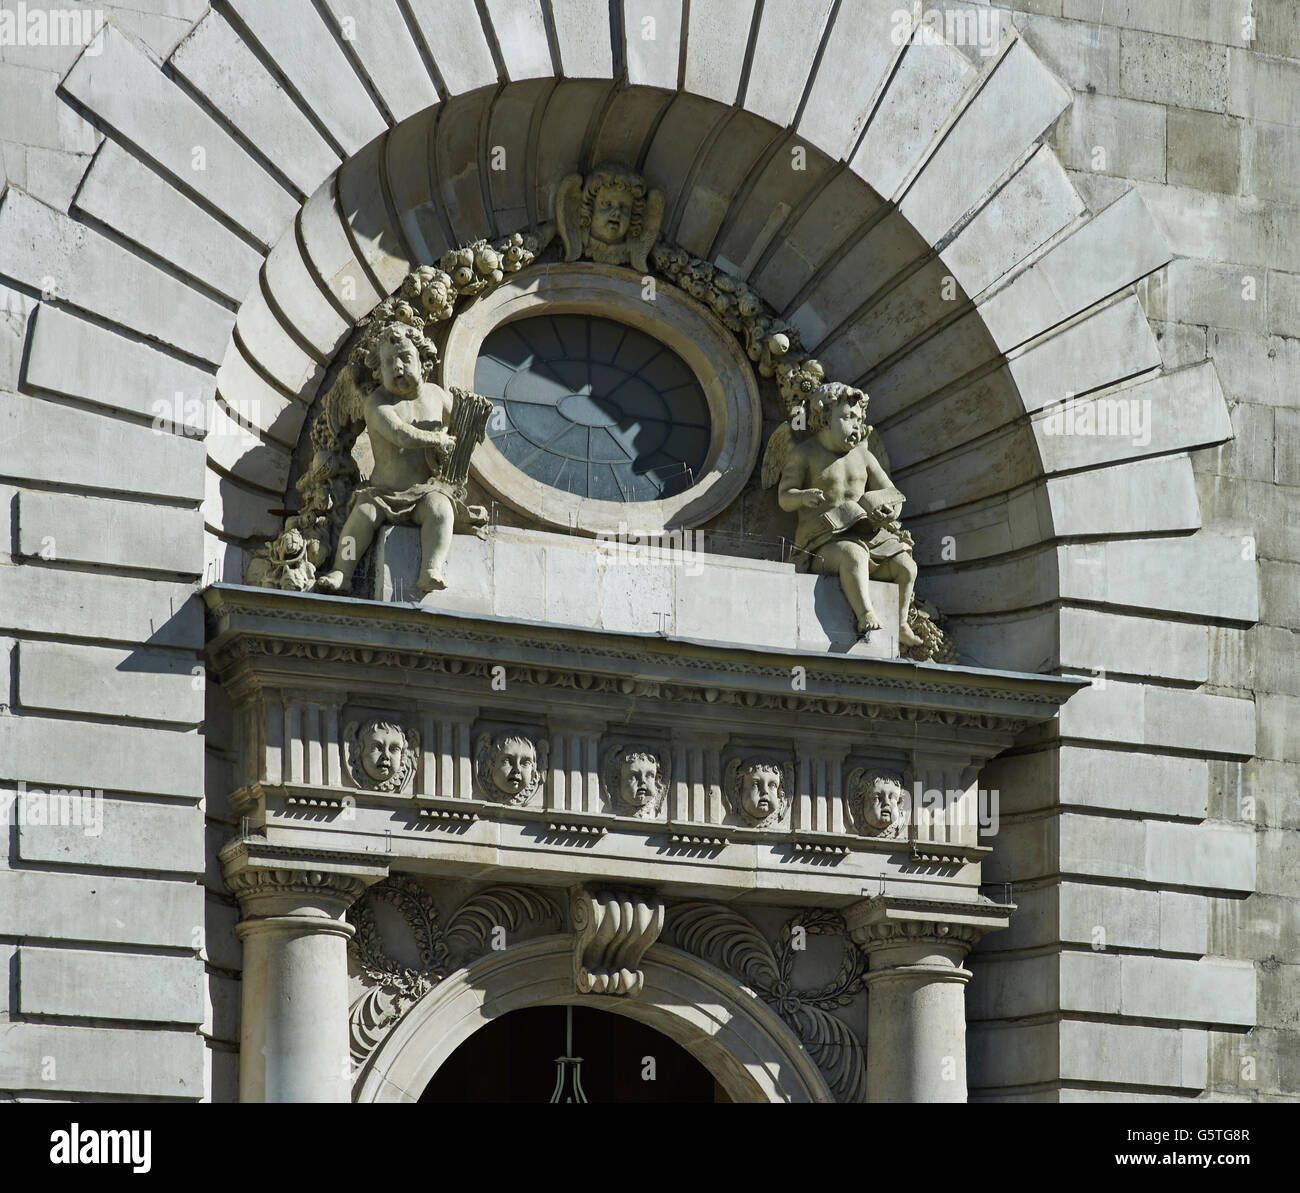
1076 198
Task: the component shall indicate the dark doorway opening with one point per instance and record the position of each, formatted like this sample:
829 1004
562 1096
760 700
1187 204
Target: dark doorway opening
513 1058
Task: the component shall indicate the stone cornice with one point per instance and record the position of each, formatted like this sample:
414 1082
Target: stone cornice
889 924
282 627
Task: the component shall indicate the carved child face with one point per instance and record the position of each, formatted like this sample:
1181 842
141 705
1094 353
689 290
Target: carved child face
382 750
611 214
760 791
514 766
843 426
638 777
883 805
399 363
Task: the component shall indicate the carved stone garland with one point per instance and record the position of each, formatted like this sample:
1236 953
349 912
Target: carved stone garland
728 940
393 988
428 298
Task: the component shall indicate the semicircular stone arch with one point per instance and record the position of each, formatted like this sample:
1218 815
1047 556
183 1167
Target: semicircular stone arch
745 1046
276 176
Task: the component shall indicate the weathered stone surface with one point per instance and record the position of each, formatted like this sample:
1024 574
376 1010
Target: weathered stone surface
131 836
388 54
1170 718
454 34
53 254
102 1060
1104 255
1032 208
989 135
113 757
90 448
582 34
150 685
1160 574
81 360
1088 776
1204 150
92 985
1157 495
1112 135
49 905
900 131
1086 56
1221 21
67 528
128 92
1110 346
521 36
1174 71
122 192
853 68
302 46
652 38
220 66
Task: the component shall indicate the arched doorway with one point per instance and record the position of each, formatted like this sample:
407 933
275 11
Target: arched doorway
740 1041
513 1059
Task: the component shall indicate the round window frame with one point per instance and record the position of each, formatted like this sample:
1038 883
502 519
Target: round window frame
707 348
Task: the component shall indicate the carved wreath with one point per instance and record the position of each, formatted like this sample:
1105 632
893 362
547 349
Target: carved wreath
728 940
393 988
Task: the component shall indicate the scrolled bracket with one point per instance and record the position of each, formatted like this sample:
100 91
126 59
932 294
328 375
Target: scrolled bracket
612 931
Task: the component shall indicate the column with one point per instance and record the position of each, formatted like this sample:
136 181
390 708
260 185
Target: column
293 1043
916 991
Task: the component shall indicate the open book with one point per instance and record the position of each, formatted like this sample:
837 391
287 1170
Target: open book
840 517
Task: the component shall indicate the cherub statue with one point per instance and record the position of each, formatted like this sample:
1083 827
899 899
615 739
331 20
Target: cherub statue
758 789
610 216
847 505
635 782
875 803
381 754
407 417
508 768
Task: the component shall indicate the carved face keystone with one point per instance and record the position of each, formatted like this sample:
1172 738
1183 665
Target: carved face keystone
883 805
639 780
611 214
382 753
760 792
514 767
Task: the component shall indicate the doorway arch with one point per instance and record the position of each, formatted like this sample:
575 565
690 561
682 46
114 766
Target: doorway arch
516 1059
747 1048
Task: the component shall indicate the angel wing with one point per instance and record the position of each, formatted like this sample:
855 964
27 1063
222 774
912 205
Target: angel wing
568 208
638 248
777 453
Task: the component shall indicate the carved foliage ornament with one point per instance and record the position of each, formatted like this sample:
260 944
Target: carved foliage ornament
610 215
391 988
726 939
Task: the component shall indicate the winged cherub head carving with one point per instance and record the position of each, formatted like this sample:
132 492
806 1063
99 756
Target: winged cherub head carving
611 216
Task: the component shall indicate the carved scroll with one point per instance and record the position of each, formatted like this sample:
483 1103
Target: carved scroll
612 931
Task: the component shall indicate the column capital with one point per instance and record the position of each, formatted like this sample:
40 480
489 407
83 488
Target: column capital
303 887
899 930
